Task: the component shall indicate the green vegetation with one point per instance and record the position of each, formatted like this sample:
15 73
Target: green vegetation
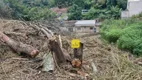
74 12
127 34
39 9
27 9
102 9
5 11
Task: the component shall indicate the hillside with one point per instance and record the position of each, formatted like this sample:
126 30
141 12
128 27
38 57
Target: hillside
36 40
111 63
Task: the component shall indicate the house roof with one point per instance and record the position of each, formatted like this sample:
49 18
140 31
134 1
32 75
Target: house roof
85 23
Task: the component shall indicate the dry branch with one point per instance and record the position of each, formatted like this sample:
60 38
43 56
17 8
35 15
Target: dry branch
46 33
49 31
18 46
14 33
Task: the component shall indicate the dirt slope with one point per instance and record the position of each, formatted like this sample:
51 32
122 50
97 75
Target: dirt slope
111 63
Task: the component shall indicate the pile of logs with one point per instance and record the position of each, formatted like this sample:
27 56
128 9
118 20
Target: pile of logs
60 55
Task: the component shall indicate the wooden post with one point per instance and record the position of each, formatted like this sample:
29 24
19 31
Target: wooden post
78 56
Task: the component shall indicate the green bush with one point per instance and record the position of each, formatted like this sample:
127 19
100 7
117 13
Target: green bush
131 38
74 12
111 30
138 50
38 13
29 9
113 35
126 33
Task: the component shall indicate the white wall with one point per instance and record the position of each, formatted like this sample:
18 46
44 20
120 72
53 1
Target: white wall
124 14
135 8
85 29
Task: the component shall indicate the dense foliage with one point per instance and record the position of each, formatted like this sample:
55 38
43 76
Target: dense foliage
127 34
102 9
28 9
74 12
39 9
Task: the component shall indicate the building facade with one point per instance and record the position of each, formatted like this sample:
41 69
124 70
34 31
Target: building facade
85 26
81 26
134 7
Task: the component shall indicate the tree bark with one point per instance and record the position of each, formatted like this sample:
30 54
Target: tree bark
18 46
78 55
55 47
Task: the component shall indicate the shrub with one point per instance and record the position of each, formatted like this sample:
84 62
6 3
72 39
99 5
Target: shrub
29 10
131 39
111 30
126 33
138 50
113 35
74 12
38 13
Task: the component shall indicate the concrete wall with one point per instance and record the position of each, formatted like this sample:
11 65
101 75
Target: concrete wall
86 29
124 14
81 29
135 8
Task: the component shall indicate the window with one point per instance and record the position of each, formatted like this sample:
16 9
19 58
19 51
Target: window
95 30
70 29
91 28
78 28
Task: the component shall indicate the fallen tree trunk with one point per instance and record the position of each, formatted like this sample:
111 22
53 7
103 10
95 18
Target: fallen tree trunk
18 46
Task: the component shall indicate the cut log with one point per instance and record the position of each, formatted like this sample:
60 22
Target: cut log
76 63
18 46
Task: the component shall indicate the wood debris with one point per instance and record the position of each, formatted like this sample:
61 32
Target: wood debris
18 46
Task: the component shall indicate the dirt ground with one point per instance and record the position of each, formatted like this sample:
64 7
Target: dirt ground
111 63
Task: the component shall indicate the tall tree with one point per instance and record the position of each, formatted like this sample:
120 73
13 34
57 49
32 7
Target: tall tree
80 3
111 3
63 3
122 4
74 12
30 9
